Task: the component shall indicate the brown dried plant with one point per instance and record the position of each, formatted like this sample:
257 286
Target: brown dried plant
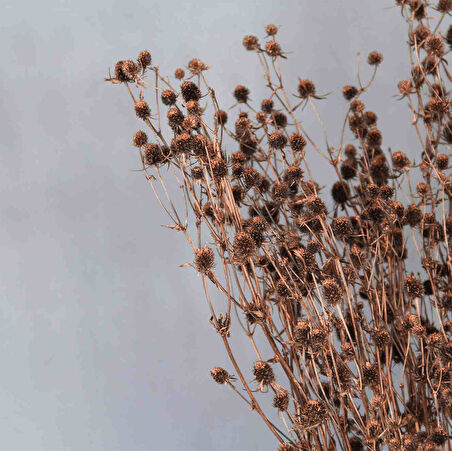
354 301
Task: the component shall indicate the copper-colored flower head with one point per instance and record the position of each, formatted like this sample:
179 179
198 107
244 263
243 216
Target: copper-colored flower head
220 375
153 154
297 142
315 206
340 192
196 66
371 375
250 42
277 140
332 291
175 117
306 88
179 73
204 259
271 29
267 105
142 109
400 161
221 117
413 287
413 215
434 45
263 373
130 69
442 161
312 413
281 400
244 246
342 227
120 73
190 91
169 97
370 117
374 137
350 151
374 58
250 177
219 168
241 93
348 169
273 49
144 59
349 92
140 138
279 119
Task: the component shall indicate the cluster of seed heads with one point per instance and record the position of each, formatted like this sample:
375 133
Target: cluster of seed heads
350 284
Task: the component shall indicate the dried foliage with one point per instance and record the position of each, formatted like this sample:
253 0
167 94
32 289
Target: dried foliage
353 300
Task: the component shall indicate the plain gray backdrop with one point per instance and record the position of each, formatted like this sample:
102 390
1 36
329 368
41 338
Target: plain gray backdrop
105 342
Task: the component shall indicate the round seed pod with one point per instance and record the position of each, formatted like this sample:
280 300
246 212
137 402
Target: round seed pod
204 259
306 88
332 291
263 372
271 29
140 138
144 59
179 73
277 140
221 117
197 173
175 118
267 105
169 97
250 42
374 58
142 109
297 142
241 93
340 192
281 400
220 375
400 161
190 91
349 92
273 49
130 69
413 215
413 287
244 246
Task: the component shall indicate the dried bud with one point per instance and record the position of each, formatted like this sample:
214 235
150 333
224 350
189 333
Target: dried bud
400 161
414 287
179 73
277 140
413 215
169 97
297 142
306 88
340 192
244 246
281 400
332 292
349 92
271 30
241 93
190 91
273 49
221 117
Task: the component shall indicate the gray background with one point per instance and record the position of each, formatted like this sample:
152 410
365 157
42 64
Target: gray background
105 342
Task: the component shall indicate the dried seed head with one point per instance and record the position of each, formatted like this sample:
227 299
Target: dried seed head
340 192
373 429
277 140
184 143
250 42
315 205
130 69
144 59
373 190
442 161
413 215
120 73
281 191
263 372
250 177
420 34
400 161
219 168
297 142
142 109
449 36
422 188
306 88
244 246
381 337
190 91
241 93
204 259
196 66
370 374
374 137
279 119
237 169
221 117
140 138
193 108
197 173
293 174
349 92
374 58
267 105
282 289
220 375
153 154
175 117
386 192
191 122
332 291
342 227
273 49
281 400
434 45
350 151
301 332
271 29
179 73
312 414
357 106
370 117
438 436
169 97
413 287
405 87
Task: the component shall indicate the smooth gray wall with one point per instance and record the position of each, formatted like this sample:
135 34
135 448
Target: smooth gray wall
105 342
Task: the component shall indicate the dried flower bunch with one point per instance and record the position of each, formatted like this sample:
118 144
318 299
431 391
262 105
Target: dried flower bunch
349 286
